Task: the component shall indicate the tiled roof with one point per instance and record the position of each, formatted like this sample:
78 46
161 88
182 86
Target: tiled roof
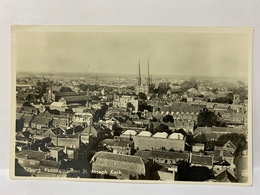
32 154
77 98
126 162
63 94
23 134
50 164
201 160
229 145
218 130
162 154
226 175
19 116
90 129
59 122
27 118
116 142
41 120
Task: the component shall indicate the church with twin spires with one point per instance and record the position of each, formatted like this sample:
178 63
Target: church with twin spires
143 87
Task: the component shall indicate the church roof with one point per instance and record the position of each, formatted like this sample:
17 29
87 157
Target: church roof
125 162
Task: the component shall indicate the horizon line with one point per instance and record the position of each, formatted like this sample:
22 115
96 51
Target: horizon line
156 74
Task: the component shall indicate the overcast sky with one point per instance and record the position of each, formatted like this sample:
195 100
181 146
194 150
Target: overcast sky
197 54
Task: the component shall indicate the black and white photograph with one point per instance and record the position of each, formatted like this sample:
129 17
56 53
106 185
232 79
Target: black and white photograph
155 104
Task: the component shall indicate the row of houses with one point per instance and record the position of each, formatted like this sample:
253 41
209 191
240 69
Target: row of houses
138 165
213 133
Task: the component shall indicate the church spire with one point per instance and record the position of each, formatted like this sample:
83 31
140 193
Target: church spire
139 75
148 78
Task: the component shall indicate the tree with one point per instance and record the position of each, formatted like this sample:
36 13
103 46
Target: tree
142 96
208 118
183 171
183 99
162 89
200 173
168 119
163 128
242 92
181 131
214 90
194 173
239 140
201 138
41 88
188 85
226 100
65 89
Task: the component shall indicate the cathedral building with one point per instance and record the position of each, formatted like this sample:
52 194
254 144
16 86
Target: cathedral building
143 87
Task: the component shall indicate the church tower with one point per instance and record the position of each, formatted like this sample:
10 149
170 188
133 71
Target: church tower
148 77
139 79
145 88
88 102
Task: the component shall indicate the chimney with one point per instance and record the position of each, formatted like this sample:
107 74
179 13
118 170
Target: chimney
26 156
57 140
65 149
73 130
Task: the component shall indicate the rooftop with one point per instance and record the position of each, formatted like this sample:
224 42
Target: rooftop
203 160
31 154
120 161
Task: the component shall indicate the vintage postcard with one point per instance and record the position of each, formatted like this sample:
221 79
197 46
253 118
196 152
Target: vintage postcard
132 104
